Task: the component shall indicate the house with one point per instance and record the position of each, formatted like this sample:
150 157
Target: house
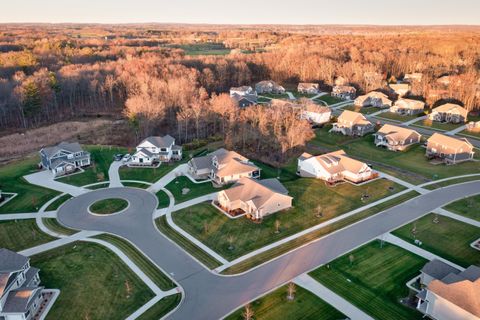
333 167
449 112
435 269
374 99
344 92
352 123
258 198
408 107
473 126
154 149
450 150
269 86
223 167
21 297
242 91
396 138
401 89
316 114
450 294
413 77
309 88
64 158
246 100
340 81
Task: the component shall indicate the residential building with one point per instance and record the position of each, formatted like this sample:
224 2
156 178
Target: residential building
401 89
258 198
450 150
334 167
344 92
340 81
449 112
308 88
242 91
156 149
316 114
246 100
223 167
435 269
413 77
450 294
473 126
396 138
269 86
21 297
352 123
373 99
408 107
64 158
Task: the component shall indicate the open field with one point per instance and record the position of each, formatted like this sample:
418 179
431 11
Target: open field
196 189
468 207
375 281
81 270
448 238
203 49
162 307
108 206
21 234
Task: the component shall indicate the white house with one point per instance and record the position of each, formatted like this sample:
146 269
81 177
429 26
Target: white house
308 88
449 112
242 91
401 89
316 114
269 86
396 138
407 107
374 99
154 149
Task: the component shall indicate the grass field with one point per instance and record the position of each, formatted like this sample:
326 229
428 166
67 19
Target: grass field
196 189
469 207
146 174
470 134
329 99
135 185
274 95
198 49
57 203
398 117
437 125
448 238
21 234
108 206
163 199
161 308
55 226
375 281
275 305
450 182
362 110
94 283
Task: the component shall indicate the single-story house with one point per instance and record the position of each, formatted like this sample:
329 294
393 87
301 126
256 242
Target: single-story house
401 89
246 100
352 123
316 114
449 149
413 77
242 91
396 138
408 107
449 112
223 167
269 86
256 197
333 167
374 99
156 148
309 88
64 158
344 92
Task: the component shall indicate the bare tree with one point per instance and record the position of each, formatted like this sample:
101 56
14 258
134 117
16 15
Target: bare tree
291 288
247 313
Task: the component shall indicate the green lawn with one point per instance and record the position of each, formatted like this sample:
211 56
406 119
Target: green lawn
274 95
333 141
136 185
21 234
448 238
468 207
108 206
362 110
308 194
437 125
275 305
57 203
162 307
196 189
146 174
94 283
329 99
470 134
302 95
450 182
196 49
30 198
163 199
375 281
54 225
398 117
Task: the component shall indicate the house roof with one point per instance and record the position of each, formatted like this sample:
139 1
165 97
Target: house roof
399 86
160 142
374 95
145 152
337 162
451 108
396 133
308 85
438 269
67 146
449 142
410 104
20 300
11 261
249 97
230 163
353 117
241 88
347 89
313 107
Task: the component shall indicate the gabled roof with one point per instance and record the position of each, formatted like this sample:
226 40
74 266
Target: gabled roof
438 269
346 89
145 152
307 85
71 147
396 133
354 117
337 162
410 104
451 108
160 142
20 300
449 141
241 88
11 261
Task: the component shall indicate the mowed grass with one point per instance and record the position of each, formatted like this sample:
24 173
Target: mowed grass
448 238
108 206
213 228
200 49
443 126
146 174
55 226
398 117
162 307
446 183
375 281
30 197
329 99
94 283
163 199
275 305
195 189
21 234
58 202
362 110
468 207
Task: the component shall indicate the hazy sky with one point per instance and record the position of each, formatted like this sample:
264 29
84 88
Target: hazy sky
246 11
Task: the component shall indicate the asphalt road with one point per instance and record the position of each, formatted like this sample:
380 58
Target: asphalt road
211 296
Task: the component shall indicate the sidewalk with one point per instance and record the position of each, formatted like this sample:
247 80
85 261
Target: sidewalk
457 130
407 123
458 217
114 175
163 181
45 179
290 95
403 183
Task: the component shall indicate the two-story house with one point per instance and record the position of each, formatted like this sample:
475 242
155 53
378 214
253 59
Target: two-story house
449 149
156 149
449 112
308 88
64 158
373 99
344 92
351 123
407 107
396 138
400 89
269 86
242 91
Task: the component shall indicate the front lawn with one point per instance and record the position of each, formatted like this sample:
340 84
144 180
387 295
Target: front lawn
108 206
163 199
362 110
398 117
331 141
94 283
448 238
468 207
57 203
274 95
275 305
437 125
162 307
194 189
329 99
21 234
375 281
146 174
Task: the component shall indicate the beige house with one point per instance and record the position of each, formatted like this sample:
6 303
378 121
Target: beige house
401 89
374 99
334 167
449 112
473 126
309 88
256 197
316 114
344 92
450 150
352 123
396 138
408 107
413 77
269 86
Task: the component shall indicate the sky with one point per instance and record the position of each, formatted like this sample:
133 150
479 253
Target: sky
381 12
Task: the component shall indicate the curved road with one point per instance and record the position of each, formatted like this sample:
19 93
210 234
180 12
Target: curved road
211 296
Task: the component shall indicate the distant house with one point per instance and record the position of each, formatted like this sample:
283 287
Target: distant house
308 88
352 123
449 293
156 148
408 107
242 91
344 92
223 167
396 138
246 100
340 81
449 112
333 167
316 114
64 158
374 99
450 150
413 77
401 89
473 126
269 86
258 198
21 297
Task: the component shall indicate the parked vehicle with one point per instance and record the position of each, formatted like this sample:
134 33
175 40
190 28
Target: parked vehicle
118 157
126 158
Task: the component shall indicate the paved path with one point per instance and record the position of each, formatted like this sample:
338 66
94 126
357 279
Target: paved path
457 130
379 112
403 183
458 217
290 95
339 105
321 94
163 181
114 175
45 179
407 123
339 303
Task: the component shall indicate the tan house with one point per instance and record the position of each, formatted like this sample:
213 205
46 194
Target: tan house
344 92
269 86
449 112
401 89
413 77
256 197
309 88
352 123
334 167
396 138
450 150
473 126
223 167
374 99
408 107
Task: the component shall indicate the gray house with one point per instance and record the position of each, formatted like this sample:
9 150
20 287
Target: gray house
64 158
